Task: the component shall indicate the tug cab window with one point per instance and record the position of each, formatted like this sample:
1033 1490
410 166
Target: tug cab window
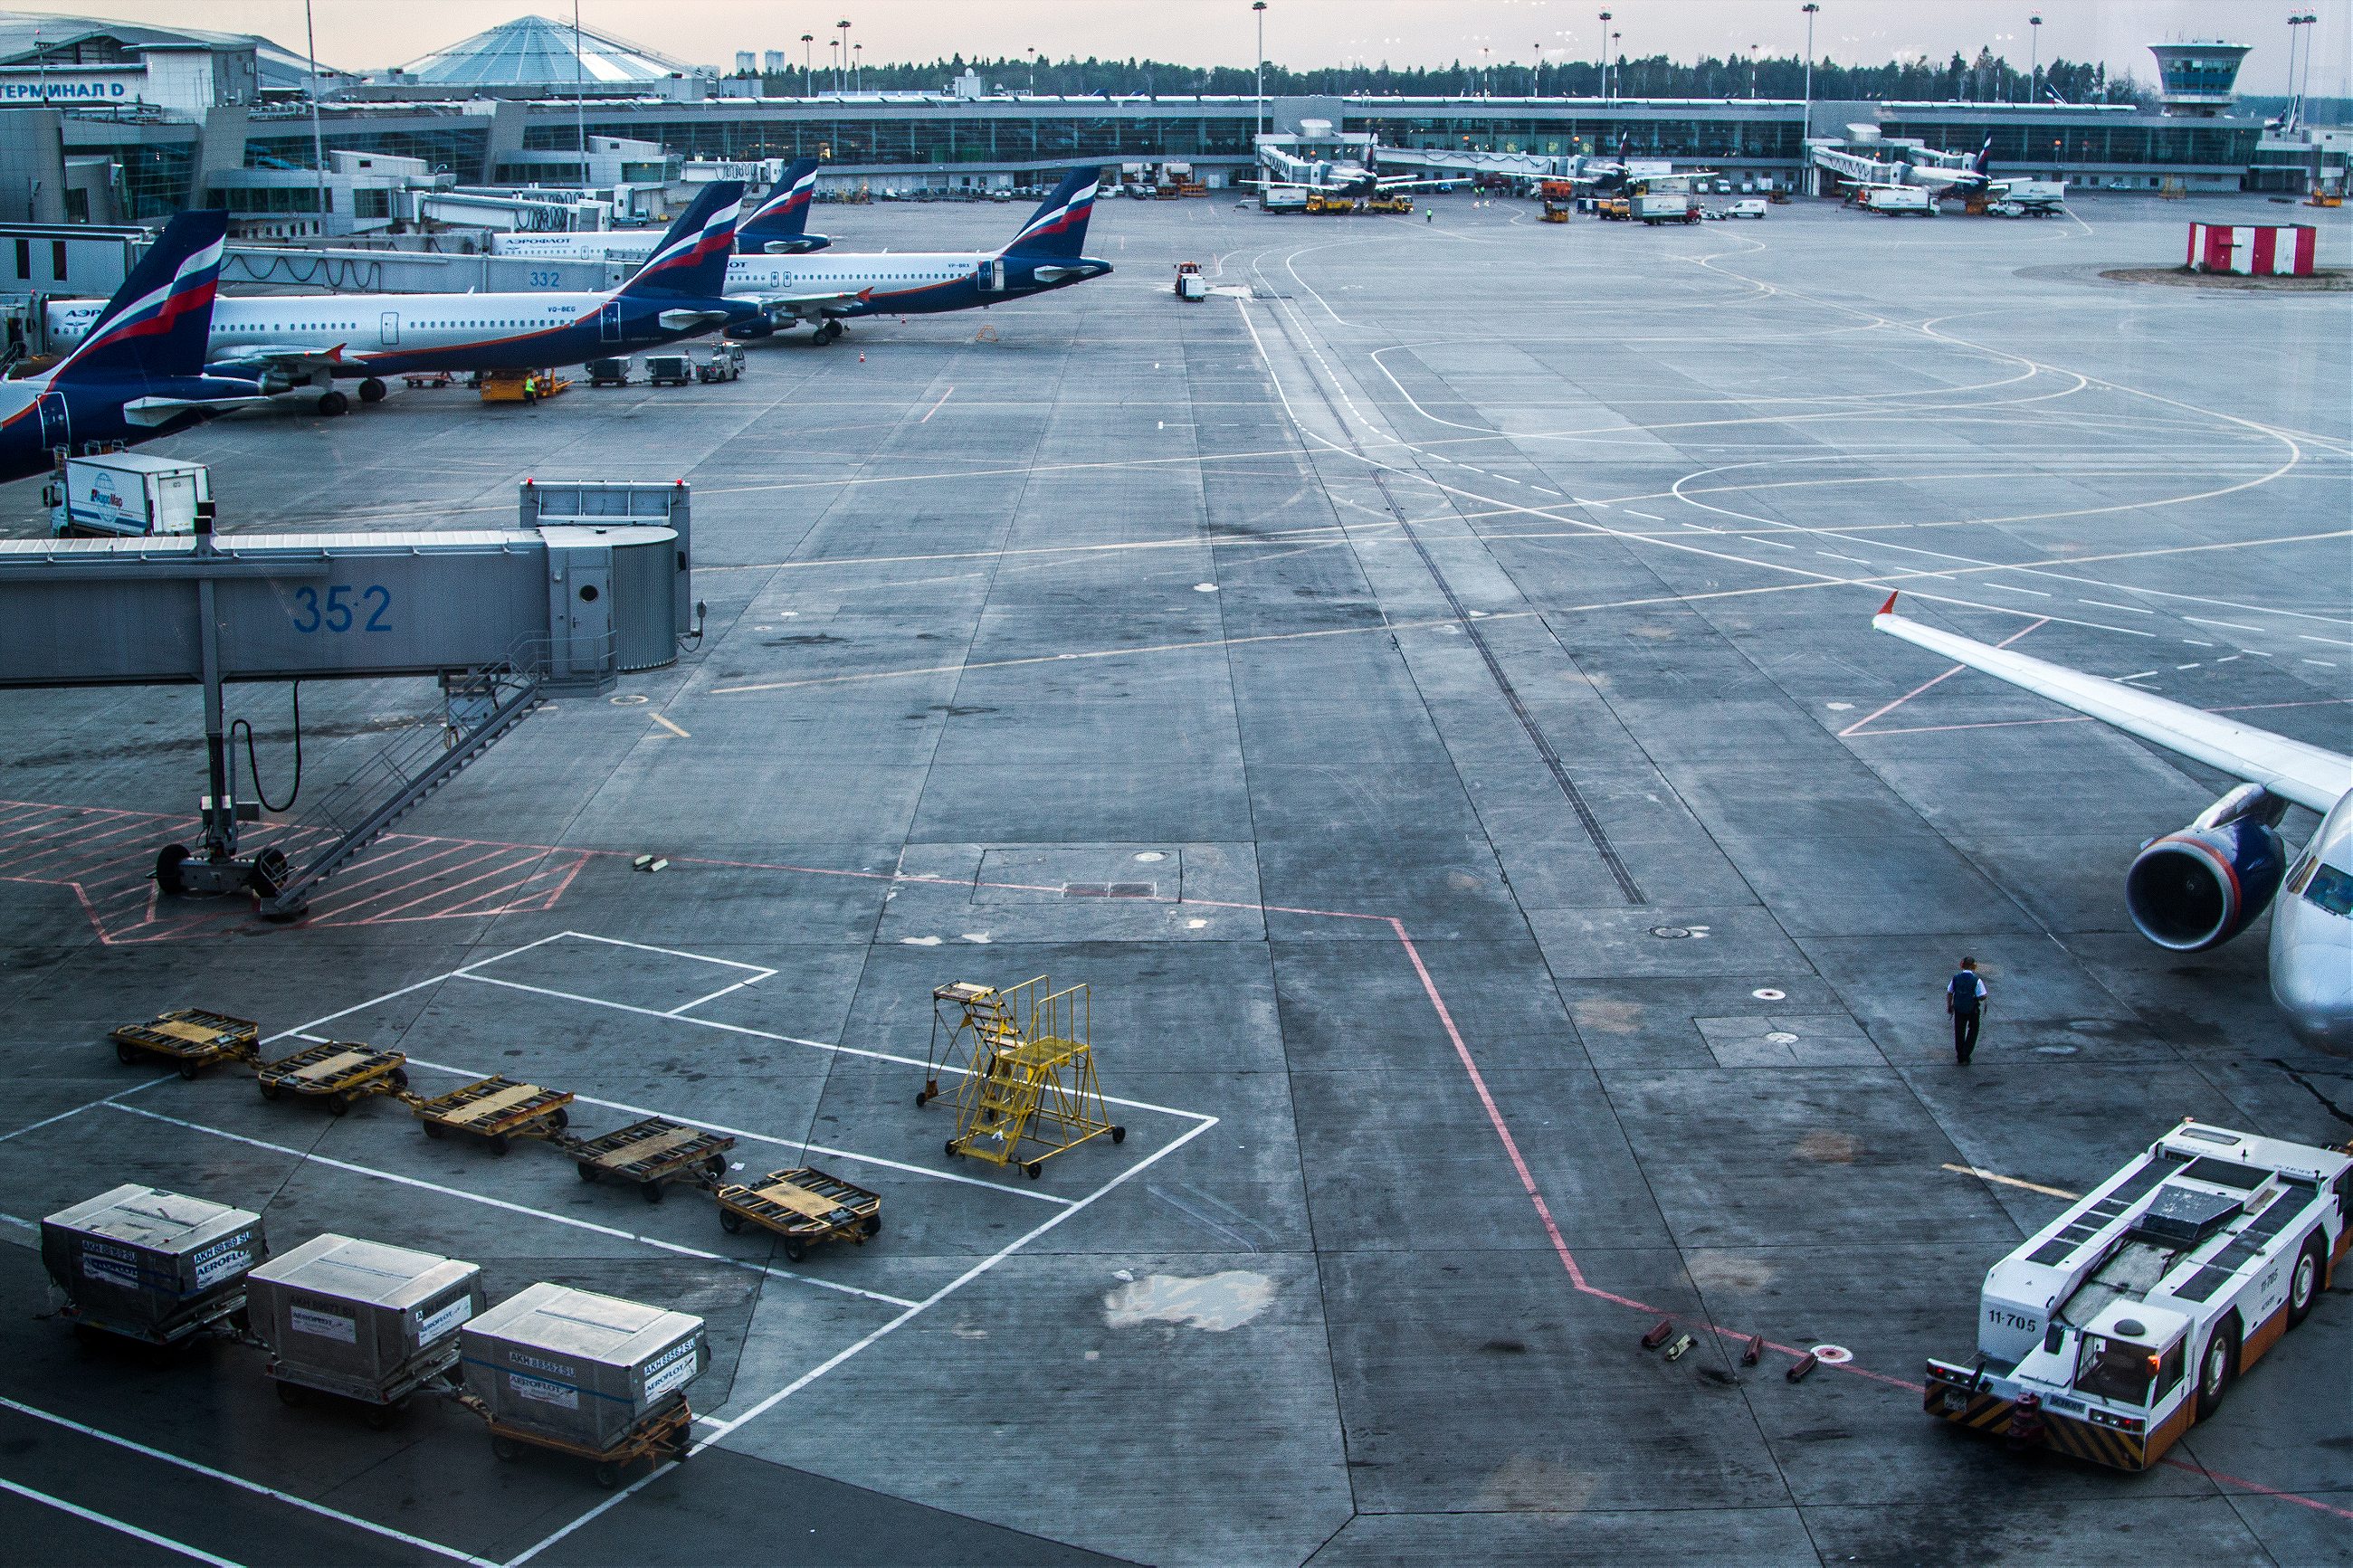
2124 1372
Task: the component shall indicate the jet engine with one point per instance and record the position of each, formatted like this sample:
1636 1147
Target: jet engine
2201 887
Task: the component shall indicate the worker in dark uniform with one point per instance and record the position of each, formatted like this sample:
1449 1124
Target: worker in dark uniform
1965 999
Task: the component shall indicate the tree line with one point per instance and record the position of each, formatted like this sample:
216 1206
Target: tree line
1988 77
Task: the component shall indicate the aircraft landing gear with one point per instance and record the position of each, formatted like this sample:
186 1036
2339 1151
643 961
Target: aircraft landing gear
371 390
333 402
827 331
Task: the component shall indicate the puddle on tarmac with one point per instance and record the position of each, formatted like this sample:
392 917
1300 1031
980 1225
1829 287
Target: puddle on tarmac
1216 1303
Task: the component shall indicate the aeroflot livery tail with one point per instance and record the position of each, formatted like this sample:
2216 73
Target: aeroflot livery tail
777 227
825 289
138 373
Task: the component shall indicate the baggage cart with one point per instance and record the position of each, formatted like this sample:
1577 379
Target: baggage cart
581 1373
418 382
804 1206
190 1038
337 1072
361 1321
497 1110
653 1153
669 370
610 371
665 1437
143 1263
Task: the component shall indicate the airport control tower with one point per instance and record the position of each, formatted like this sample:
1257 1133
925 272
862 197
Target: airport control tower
2197 77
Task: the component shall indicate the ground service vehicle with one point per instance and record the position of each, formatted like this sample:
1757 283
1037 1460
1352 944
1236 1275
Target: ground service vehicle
1894 201
1666 207
1750 207
2129 1318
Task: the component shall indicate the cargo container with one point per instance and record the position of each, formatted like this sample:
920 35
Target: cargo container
151 1265
1666 207
579 1370
124 493
360 1318
669 370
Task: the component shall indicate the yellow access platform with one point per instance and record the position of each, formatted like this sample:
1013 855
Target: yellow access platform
1023 1065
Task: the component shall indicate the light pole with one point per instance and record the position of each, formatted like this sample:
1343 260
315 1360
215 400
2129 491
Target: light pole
1605 57
1752 70
1032 52
579 94
1535 72
856 66
1617 54
1486 79
1809 8
841 58
1258 119
808 65
2033 56
318 142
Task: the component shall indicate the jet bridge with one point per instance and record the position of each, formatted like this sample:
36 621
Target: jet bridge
596 581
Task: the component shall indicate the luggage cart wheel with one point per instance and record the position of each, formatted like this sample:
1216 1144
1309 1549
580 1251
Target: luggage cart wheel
922 1096
290 1395
730 1221
268 1090
1035 1169
190 1068
399 1078
1119 1134
128 1054
650 1192
793 1249
338 1105
378 1417
499 1144
588 1171
609 1476
505 1448
871 1225
559 1119
432 1129
951 1146
716 1165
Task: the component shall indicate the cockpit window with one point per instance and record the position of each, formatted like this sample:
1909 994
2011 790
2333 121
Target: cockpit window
2331 889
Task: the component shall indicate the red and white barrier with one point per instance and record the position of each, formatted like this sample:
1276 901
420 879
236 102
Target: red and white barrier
2254 249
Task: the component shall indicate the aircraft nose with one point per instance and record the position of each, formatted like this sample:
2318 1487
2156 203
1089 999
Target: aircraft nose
2312 984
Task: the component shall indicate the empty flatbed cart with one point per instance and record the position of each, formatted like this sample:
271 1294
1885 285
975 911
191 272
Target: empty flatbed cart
337 1072
652 1154
190 1038
361 1321
497 1110
802 1206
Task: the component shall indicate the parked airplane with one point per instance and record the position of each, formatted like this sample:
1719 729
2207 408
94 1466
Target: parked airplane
777 227
138 373
1340 176
2199 887
827 290
297 339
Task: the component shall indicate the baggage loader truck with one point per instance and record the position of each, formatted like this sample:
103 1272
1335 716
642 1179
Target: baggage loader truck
2122 1322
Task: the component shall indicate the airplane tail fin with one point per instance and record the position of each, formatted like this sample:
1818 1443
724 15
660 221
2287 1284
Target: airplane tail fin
1058 227
785 215
158 322
1983 161
692 259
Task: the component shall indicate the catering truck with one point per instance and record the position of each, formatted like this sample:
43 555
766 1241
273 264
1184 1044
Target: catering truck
2129 1318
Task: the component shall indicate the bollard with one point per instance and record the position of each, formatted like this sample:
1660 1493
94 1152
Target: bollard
1755 1349
1802 1365
1658 1335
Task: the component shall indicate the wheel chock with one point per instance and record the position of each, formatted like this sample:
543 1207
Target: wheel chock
1658 1335
1754 1351
1802 1365
1683 1342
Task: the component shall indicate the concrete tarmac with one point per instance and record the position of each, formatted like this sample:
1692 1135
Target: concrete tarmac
1426 692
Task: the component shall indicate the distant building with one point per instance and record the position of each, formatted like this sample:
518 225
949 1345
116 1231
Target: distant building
531 51
2196 79
744 62
773 63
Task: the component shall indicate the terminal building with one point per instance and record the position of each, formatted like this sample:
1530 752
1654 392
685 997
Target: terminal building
124 124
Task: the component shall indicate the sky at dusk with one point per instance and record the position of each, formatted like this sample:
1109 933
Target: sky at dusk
364 34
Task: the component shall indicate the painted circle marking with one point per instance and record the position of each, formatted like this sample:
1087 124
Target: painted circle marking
1670 933
1833 1355
1781 1038
1767 993
628 699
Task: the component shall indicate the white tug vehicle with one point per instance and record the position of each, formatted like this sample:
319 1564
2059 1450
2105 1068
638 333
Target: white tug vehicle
2127 1317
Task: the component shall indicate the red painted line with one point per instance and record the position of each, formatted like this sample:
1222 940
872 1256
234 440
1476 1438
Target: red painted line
1882 712
491 852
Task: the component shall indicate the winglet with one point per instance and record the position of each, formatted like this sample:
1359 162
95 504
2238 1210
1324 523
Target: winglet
1888 608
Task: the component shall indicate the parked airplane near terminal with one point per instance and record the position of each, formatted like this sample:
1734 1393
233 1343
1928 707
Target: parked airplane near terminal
826 289
2201 887
289 340
138 373
777 227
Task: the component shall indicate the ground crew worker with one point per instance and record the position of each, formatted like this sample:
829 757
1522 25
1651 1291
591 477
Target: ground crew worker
1965 999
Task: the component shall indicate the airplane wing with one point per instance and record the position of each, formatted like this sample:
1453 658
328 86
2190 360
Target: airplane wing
153 411
806 307
2309 775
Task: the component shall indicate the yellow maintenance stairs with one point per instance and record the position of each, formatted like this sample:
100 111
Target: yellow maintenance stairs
1023 1065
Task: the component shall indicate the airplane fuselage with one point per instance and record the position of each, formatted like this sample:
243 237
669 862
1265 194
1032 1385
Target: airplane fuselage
626 246
388 334
914 283
37 418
